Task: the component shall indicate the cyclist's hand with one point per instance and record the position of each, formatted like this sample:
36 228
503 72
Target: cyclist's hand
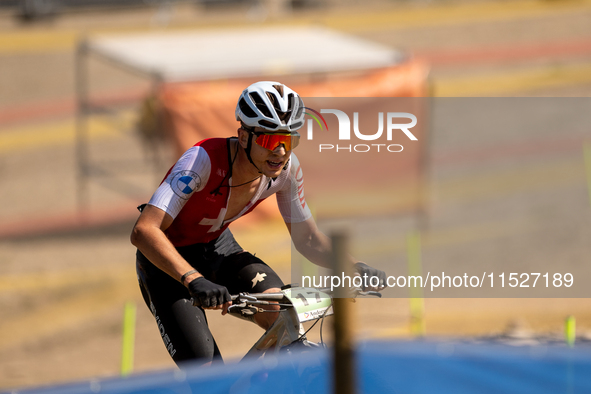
364 269
209 295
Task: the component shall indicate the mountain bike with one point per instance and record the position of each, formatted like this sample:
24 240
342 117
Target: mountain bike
297 305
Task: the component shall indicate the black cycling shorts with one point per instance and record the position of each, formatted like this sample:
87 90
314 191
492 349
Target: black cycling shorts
182 326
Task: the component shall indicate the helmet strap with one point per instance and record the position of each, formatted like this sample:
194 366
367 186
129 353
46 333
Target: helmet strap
247 150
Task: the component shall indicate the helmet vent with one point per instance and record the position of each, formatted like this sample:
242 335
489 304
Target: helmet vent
300 108
266 123
260 104
274 101
246 110
284 116
279 89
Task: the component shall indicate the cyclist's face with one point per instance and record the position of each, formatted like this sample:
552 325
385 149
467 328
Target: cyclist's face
270 162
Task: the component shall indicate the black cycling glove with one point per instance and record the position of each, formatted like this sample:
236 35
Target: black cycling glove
208 294
364 269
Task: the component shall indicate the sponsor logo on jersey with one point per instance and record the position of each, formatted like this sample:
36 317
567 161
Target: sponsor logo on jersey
184 183
300 182
258 278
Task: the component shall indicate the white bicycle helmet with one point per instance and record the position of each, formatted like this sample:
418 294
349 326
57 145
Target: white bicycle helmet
271 106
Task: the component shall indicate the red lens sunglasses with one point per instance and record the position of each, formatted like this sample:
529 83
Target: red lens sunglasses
270 140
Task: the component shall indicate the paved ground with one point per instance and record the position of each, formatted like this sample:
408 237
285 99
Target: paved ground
494 196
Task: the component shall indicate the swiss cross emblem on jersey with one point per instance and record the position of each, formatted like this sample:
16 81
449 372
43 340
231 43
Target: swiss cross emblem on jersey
214 224
184 183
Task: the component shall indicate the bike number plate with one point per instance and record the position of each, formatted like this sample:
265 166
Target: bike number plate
309 303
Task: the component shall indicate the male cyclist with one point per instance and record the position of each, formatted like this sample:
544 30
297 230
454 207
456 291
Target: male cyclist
185 248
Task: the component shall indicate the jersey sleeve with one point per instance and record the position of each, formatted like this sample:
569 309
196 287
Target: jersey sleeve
290 199
189 175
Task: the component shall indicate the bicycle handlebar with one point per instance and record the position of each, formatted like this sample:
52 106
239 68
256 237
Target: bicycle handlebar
355 291
255 298
263 298
260 296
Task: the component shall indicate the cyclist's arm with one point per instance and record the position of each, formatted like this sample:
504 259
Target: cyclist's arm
316 247
306 236
166 203
312 243
149 237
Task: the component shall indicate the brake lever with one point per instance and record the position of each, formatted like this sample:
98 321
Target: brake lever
244 309
236 306
245 297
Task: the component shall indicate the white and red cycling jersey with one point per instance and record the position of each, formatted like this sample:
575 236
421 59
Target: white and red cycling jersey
196 190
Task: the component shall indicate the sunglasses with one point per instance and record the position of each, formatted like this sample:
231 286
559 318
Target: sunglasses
273 140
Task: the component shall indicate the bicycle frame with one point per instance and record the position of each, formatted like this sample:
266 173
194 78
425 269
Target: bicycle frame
296 307
286 330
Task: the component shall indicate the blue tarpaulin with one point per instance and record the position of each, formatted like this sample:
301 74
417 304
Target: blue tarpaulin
384 367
